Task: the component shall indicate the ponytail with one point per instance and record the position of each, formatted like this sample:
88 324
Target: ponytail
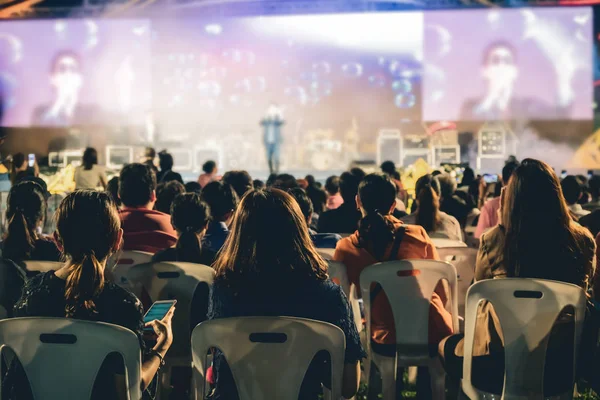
428 211
20 239
375 233
84 283
188 247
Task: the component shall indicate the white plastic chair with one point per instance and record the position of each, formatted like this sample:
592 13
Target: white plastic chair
463 259
409 297
61 357
124 262
42 266
527 309
326 253
338 273
441 243
268 356
167 281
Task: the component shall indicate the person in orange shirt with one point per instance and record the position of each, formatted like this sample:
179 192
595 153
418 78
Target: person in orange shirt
372 243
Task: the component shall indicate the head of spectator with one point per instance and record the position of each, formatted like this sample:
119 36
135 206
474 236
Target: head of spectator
221 199
21 170
112 188
285 182
25 216
332 185
189 216
302 183
310 179
137 186
149 154
258 184
90 158
280 252
193 187
436 172
165 161
209 167
349 188
304 202
428 192
447 185
240 181
271 179
165 194
18 163
359 173
507 171
316 195
376 199
88 231
541 239
594 185
571 188
388 167
468 177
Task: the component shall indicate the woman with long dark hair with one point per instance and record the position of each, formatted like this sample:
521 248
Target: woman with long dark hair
89 175
536 238
437 223
269 266
189 217
88 232
25 216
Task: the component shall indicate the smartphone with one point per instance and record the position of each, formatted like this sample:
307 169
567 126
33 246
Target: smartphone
563 174
31 160
490 178
158 310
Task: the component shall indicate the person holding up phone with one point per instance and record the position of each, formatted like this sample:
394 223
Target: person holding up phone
88 232
23 167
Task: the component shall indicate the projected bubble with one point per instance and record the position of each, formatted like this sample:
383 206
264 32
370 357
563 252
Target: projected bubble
405 100
352 70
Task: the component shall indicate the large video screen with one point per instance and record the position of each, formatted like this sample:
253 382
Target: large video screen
75 72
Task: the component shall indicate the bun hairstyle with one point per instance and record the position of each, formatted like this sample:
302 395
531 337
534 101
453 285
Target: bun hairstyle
189 216
87 226
377 194
428 198
26 210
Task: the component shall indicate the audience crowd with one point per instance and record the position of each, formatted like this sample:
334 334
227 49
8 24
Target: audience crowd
263 240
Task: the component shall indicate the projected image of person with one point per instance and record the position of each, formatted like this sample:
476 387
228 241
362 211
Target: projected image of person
272 123
65 109
501 73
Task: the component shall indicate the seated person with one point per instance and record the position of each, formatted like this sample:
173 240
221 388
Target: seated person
334 198
166 173
25 216
90 175
210 173
270 267
193 187
343 219
437 223
144 229
88 233
572 189
21 169
165 194
240 181
189 216
222 202
320 240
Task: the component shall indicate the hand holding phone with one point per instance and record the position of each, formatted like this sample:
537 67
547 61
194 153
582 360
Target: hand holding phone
157 323
31 160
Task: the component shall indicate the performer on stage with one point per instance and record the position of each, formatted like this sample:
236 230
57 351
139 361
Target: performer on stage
271 124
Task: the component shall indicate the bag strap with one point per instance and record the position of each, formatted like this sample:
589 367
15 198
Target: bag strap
393 257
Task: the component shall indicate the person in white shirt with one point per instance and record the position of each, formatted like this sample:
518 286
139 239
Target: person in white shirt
437 223
572 191
90 175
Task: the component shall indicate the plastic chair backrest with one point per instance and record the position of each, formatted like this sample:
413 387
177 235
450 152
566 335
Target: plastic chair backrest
409 285
441 243
125 261
339 275
12 280
168 281
42 266
269 356
61 356
527 309
326 253
463 259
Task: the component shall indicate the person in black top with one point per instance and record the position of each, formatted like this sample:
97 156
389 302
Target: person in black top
25 216
166 173
189 216
270 267
21 170
88 232
343 219
165 194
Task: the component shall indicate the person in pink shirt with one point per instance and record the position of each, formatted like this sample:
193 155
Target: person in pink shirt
210 173
489 212
334 198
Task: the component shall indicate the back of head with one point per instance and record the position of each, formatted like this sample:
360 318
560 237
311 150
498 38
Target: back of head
468 177
18 160
112 188
271 179
90 158
428 191
240 181
193 187
540 235
571 189
447 185
508 170
166 195
189 216
377 195
89 231
209 167
137 182
349 187
594 184
165 161
269 243
303 201
310 179
332 185
26 211
258 184
285 182
358 173
388 167
221 199
149 153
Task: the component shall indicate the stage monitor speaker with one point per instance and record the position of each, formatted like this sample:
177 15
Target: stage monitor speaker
389 146
73 157
118 156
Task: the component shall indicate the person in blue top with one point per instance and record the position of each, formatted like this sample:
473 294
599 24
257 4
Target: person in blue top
271 124
222 202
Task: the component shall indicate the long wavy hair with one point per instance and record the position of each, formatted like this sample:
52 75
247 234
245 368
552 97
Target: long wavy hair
269 242
542 240
428 199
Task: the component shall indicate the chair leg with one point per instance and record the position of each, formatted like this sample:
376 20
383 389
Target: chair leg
438 380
